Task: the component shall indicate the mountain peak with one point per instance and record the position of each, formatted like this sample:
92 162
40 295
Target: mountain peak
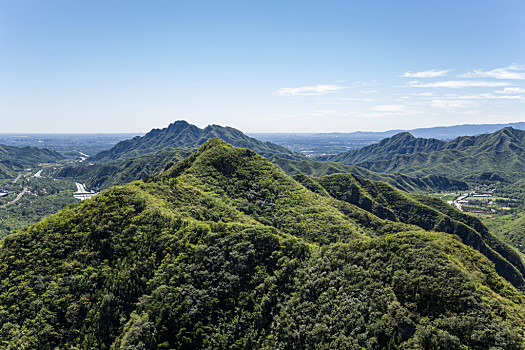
404 134
181 134
215 155
178 123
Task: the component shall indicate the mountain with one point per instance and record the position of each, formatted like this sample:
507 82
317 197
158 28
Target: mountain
437 132
223 250
454 131
467 157
428 183
181 134
18 158
101 176
426 212
514 231
319 144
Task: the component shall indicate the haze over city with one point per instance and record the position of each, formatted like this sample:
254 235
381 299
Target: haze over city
295 66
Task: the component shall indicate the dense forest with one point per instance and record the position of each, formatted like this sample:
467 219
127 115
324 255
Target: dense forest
470 158
181 134
119 172
224 250
104 175
14 159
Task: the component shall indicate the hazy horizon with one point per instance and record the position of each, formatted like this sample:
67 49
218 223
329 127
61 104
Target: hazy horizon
294 67
143 132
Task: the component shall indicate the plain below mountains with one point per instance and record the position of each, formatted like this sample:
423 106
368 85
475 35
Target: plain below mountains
467 157
224 250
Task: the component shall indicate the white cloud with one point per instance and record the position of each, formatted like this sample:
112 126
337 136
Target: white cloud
355 99
511 90
450 104
311 90
491 97
457 84
401 112
433 73
388 108
481 96
333 113
510 72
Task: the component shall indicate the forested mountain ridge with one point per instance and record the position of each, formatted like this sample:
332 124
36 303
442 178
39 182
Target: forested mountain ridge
18 158
429 183
181 134
101 176
426 212
463 157
223 250
402 143
119 172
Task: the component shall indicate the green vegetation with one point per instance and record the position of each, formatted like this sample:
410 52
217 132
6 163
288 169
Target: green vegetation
428 183
492 157
446 197
183 135
510 223
426 212
101 176
13 159
44 197
223 250
514 231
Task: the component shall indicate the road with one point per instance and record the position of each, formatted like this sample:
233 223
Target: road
81 188
16 199
38 174
15 180
84 156
85 193
459 199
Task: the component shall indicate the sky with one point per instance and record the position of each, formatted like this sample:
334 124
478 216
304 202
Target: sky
259 66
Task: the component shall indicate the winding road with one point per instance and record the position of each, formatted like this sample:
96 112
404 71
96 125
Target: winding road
16 199
15 180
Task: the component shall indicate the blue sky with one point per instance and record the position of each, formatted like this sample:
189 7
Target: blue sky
260 66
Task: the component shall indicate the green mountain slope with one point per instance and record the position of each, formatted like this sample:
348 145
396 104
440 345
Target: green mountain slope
5 172
514 232
18 158
428 183
464 157
426 212
101 176
180 134
223 250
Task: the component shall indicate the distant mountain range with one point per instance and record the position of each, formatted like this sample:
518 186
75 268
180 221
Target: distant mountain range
465 157
17 158
222 250
181 134
438 132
